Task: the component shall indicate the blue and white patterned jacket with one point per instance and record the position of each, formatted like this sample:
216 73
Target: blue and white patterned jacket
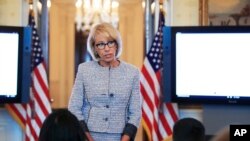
107 99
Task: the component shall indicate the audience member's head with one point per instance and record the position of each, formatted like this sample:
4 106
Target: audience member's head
222 135
61 125
188 129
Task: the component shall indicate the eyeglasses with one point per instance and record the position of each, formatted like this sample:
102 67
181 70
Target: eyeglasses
102 45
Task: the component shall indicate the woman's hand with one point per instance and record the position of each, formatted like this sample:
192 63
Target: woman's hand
125 138
89 137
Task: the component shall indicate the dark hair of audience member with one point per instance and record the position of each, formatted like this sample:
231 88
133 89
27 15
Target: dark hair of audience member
188 129
61 125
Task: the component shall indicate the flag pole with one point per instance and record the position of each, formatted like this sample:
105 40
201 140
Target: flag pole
148 39
148 26
45 33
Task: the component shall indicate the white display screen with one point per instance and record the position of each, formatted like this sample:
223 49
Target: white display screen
8 64
213 64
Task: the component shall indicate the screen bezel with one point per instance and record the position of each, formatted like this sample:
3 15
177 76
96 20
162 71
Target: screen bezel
20 70
169 73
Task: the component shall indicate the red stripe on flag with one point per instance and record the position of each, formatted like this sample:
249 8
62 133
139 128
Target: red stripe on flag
158 76
147 99
165 124
41 82
147 121
172 111
151 84
26 138
156 129
17 112
31 127
38 121
40 102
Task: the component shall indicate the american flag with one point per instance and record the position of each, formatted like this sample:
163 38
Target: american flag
157 117
31 115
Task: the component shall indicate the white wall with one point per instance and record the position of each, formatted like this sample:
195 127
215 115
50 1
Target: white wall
14 12
185 12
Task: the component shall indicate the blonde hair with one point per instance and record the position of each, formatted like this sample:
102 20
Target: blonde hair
107 30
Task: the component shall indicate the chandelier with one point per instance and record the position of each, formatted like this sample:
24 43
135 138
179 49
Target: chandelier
91 12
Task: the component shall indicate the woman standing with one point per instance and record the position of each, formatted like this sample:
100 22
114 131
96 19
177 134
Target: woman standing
106 93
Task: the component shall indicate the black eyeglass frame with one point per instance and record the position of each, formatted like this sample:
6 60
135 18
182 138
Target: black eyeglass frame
102 45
